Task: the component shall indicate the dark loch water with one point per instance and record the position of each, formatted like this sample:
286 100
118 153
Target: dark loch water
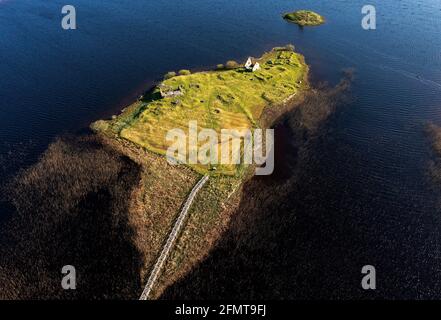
55 81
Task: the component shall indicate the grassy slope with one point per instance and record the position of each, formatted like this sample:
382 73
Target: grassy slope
216 99
304 18
157 201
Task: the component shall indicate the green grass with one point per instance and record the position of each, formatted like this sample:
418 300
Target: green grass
304 18
220 99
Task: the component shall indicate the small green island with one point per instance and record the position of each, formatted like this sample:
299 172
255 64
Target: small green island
304 18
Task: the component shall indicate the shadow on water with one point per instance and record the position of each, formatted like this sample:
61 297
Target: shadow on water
434 134
71 209
279 242
306 231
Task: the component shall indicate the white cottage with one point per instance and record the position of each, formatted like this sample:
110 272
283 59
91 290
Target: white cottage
250 66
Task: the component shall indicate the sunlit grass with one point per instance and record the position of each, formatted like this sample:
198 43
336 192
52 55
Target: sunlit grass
221 99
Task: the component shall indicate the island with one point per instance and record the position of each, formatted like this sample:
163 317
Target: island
189 205
304 18
233 96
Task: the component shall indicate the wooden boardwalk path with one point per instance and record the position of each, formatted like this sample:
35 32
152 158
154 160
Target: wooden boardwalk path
171 239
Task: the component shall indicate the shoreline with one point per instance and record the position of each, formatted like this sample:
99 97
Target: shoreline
266 215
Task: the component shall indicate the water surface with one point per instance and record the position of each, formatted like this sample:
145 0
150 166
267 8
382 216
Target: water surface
373 170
